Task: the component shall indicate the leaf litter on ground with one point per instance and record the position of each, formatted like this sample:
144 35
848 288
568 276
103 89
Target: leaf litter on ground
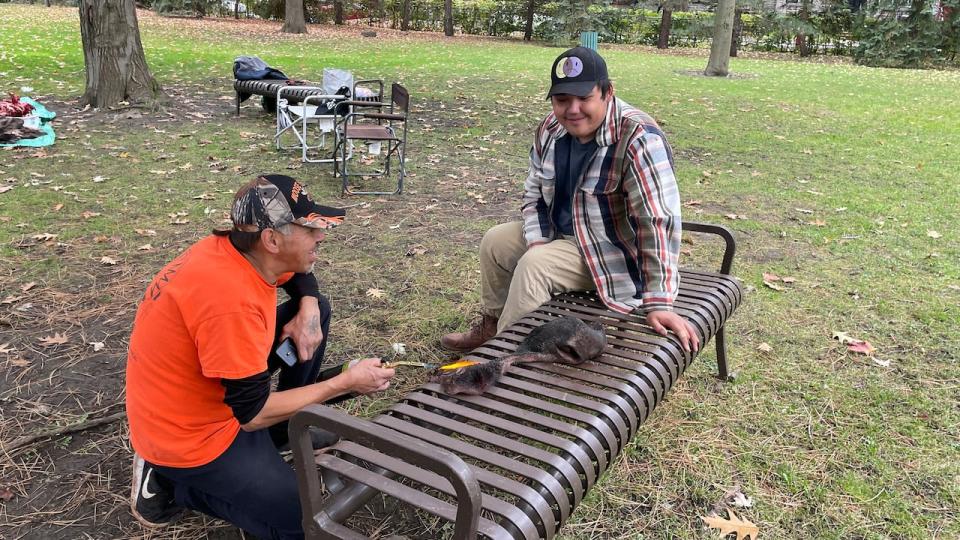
743 528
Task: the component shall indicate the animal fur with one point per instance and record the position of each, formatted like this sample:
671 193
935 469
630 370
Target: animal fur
564 340
12 130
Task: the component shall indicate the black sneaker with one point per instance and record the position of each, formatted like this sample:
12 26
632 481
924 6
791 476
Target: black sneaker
151 503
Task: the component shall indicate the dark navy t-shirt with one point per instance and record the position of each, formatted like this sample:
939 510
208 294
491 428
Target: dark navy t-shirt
570 157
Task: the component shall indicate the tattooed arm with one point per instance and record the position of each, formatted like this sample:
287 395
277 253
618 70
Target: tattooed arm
304 328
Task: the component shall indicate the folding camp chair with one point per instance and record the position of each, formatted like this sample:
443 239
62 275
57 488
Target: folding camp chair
309 122
374 130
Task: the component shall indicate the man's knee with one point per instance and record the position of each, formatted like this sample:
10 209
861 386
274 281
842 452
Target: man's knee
535 262
503 242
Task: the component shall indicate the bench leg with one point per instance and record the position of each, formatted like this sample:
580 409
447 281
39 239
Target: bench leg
238 103
721 347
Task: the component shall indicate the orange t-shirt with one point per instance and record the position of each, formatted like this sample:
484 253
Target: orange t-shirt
207 315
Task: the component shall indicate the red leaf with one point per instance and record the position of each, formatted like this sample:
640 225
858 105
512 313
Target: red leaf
861 347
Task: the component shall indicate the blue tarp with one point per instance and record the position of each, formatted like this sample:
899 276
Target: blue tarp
46 116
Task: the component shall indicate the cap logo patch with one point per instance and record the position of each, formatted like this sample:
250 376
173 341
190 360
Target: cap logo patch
295 191
572 66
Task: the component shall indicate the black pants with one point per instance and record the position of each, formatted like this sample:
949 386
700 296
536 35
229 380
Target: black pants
249 485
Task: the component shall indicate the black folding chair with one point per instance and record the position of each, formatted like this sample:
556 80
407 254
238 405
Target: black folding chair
372 129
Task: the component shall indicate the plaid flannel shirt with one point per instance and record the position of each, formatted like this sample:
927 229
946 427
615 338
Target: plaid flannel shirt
626 208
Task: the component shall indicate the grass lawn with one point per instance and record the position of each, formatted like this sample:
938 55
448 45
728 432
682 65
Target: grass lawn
841 177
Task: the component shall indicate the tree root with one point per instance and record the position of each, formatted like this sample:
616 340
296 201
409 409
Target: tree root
61 430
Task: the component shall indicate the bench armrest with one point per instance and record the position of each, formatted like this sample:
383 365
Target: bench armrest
360 103
384 116
731 244
387 441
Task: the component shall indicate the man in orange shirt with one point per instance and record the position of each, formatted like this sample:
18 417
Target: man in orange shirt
204 422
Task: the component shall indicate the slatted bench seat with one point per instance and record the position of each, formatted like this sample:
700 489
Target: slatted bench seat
515 462
268 89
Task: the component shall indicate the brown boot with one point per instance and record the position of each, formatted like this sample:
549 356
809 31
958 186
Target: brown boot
473 338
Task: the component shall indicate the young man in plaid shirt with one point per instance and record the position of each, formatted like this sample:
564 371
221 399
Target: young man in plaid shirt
601 211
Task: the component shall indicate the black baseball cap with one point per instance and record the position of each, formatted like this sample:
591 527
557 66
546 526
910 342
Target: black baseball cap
271 201
577 72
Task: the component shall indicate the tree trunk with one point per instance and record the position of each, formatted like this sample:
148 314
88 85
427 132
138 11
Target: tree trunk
528 27
293 21
737 32
236 9
666 20
448 17
113 55
338 12
719 63
801 41
405 21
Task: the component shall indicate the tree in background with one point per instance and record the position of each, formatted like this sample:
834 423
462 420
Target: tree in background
405 15
448 17
907 33
666 8
293 21
113 55
528 19
719 63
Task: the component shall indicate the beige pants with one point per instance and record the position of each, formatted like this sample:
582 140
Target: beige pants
515 281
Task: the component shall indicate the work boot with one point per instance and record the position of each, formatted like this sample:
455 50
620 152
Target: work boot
483 330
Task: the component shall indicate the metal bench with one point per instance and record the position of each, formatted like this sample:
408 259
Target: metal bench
268 89
516 461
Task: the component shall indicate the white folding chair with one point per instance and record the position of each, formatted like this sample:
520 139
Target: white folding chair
309 116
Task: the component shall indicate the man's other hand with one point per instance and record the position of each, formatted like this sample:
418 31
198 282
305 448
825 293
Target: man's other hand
662 321
305 328
368 376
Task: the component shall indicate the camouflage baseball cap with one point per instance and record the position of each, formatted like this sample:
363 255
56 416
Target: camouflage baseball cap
273 200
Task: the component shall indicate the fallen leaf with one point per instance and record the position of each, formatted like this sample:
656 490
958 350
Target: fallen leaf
933 234
770 277
55 339
6 348
764 347
742 501
742 527
108 260
146 232
4 189
27 286
803 210
6 494
844 338
817 223
376 293
58 207
881 363
789 279
145 247
861 347
20 362
416 250
87 214
98 179
773 285
97 345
